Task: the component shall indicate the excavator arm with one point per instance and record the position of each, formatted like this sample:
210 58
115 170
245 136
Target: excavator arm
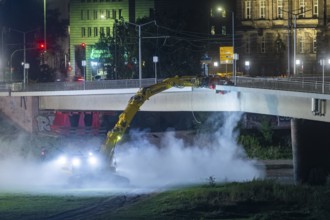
136 101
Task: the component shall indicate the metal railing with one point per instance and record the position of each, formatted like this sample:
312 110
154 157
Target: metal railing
309 85
77 85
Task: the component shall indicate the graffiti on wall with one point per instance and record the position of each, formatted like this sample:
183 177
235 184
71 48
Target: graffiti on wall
64 122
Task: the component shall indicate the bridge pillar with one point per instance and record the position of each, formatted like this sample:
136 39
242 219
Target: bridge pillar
311 151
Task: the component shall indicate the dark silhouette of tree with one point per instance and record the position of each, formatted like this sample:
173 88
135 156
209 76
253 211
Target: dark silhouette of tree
27 16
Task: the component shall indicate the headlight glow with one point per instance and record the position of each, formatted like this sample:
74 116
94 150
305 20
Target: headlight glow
93 161
62 160
76 162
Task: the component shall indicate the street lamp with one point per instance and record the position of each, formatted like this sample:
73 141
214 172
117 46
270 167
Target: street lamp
294 15
235 56
45 24
140 52
247 66
24 50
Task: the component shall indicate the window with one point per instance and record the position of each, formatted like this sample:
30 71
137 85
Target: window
87 15
102 31
315 8
262 9
95 32
95 14
248 10
120 13
107 14
263 45
301 44
89 32
108 31
83 32
224 30
302 8
280 9
212 30
82 14
102 16
314 45
114 14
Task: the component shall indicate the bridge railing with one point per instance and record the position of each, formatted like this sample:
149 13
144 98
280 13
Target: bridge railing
315 85
85 85
298 84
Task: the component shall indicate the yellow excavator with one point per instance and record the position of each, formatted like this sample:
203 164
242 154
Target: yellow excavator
90 168
136 101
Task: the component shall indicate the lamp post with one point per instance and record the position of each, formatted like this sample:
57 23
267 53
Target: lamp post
140 52
45 24
294 16
235 56
24 50
247 66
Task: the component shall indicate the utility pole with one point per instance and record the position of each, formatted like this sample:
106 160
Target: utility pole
140 49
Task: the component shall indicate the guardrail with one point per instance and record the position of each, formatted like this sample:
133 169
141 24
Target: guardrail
307 84
77 85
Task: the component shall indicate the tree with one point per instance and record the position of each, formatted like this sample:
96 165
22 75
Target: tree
26 16
117 53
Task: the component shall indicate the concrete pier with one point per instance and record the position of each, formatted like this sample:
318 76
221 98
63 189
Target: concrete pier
311 151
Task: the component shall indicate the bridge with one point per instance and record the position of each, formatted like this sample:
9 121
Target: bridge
305 100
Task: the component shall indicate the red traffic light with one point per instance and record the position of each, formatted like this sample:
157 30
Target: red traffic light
83 45
41 46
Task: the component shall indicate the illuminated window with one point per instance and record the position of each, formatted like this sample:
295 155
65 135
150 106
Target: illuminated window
262 9
302 8
279 8
248 10
314 45
263 45
315 8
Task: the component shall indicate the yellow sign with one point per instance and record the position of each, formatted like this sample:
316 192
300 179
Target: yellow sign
226 55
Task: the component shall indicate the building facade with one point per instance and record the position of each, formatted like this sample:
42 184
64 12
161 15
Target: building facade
89 19
281 37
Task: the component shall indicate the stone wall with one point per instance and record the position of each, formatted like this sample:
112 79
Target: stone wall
21 110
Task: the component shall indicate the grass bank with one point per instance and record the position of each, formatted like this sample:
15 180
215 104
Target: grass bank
254 200
251 200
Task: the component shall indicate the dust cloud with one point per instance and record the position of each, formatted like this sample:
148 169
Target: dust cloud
21 168
171 161
214 154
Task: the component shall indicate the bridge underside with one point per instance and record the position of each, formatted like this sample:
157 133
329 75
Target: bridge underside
309 124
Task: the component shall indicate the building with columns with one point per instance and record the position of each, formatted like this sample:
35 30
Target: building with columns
281 37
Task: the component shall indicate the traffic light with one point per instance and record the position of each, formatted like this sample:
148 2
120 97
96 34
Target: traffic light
83 45
41 46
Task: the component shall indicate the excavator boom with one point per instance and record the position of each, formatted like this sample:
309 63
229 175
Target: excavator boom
136 101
